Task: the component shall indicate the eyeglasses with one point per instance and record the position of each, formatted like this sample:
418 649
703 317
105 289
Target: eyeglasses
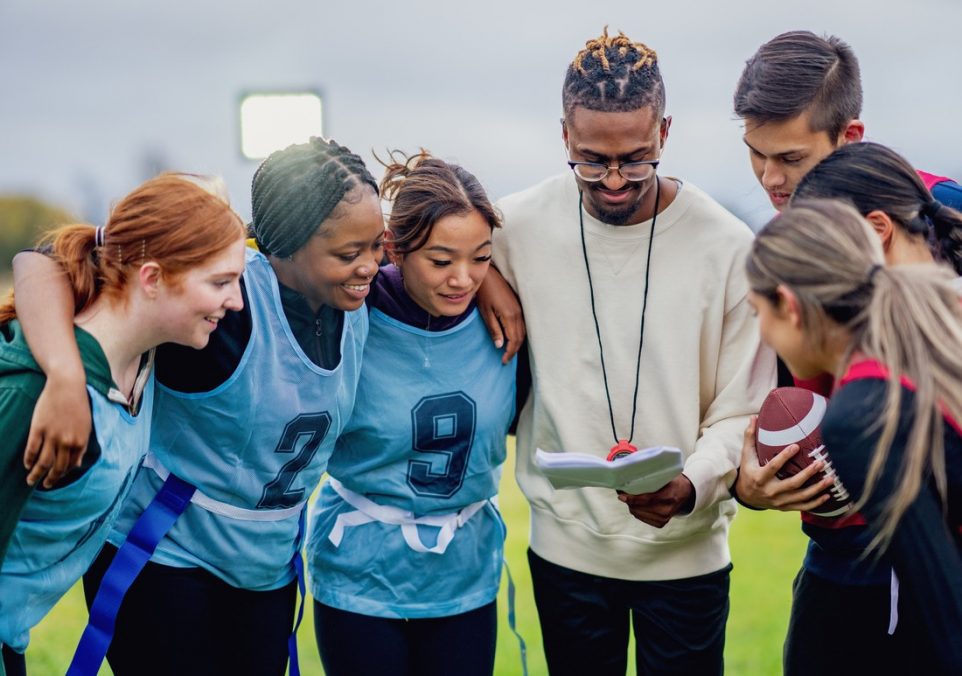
630 171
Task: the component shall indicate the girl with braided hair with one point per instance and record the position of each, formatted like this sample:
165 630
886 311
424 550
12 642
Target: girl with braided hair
165 267
247 425
406 544
827 304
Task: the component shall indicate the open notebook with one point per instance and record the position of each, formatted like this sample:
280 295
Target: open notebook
643 471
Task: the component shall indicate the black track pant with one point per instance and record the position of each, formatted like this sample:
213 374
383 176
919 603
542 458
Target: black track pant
187 621
679 625
360 645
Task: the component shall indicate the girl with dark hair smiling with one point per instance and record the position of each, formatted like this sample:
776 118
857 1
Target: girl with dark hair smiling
406 543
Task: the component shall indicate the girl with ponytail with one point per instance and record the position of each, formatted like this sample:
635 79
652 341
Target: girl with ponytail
836 583
406 544
891 336
241 435
913 226
165 268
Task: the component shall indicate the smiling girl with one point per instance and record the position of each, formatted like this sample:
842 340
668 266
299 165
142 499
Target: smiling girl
250 422
165 268
406 544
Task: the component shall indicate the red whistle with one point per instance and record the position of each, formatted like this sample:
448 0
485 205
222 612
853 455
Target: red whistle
621 449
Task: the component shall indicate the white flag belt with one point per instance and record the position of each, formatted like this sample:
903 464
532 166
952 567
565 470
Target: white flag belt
368 511
222 508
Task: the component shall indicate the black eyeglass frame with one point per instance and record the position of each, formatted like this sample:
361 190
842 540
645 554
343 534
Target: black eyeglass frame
607 167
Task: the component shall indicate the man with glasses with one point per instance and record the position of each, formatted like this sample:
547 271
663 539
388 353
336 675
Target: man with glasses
639 333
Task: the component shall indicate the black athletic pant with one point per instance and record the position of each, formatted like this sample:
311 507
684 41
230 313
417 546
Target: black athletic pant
186 621
679 625
360 645
840 629
14 663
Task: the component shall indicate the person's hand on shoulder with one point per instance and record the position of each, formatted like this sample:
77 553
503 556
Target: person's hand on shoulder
59 430
61 423
501 312
758 487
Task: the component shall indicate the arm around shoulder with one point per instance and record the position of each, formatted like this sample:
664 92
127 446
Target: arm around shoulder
61 424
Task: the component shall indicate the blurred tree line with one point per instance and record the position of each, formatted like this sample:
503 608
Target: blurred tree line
23 220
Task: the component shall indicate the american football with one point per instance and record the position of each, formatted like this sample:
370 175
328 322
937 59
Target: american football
792 415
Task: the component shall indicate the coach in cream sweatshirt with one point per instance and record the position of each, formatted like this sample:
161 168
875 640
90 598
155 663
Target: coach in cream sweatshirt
702 370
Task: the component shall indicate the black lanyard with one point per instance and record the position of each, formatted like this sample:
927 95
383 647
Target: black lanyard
622 446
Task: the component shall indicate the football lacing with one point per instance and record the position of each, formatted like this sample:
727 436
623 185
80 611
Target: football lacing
838 489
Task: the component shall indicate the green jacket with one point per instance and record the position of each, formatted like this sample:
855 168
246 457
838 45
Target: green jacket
21 382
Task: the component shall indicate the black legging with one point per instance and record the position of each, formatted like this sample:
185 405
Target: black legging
13 662
187 621
360 645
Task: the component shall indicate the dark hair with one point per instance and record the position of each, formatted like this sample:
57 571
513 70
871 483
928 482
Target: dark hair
424 190
614 75
175 220
296 189
797 72
873 177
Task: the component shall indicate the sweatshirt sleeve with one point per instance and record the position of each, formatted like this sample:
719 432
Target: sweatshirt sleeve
743 373
501 250
923 550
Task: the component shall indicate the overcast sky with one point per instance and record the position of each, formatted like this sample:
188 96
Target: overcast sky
95 93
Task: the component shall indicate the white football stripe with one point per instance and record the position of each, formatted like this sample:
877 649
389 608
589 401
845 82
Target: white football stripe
834 512
794 434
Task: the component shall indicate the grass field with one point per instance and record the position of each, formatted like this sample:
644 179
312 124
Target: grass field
766 549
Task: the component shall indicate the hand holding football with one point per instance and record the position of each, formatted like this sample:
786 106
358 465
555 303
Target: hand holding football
792 415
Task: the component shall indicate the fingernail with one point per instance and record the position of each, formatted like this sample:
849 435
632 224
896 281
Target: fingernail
499 343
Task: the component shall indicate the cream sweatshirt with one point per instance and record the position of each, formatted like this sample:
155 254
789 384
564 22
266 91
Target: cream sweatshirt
703 371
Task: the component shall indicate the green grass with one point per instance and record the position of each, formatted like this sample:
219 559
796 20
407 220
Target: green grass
767 548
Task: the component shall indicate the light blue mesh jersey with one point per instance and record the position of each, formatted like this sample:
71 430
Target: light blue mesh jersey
255 447
426 442
61 531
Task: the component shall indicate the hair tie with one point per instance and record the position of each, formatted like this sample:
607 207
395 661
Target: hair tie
930 209
872 272
100 235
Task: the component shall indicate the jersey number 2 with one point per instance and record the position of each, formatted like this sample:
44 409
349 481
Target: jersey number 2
444 430
277 493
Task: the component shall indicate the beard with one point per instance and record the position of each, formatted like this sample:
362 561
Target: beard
612 215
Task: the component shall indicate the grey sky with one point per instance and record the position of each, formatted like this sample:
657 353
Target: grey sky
93 92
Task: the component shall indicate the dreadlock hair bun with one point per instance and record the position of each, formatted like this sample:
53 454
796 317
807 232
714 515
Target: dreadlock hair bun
296 189
614 74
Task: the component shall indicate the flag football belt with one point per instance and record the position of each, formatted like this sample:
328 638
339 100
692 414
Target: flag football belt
147 532
368 511
209 504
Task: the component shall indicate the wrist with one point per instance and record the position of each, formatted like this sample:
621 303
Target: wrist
688 504
734 493
65 371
